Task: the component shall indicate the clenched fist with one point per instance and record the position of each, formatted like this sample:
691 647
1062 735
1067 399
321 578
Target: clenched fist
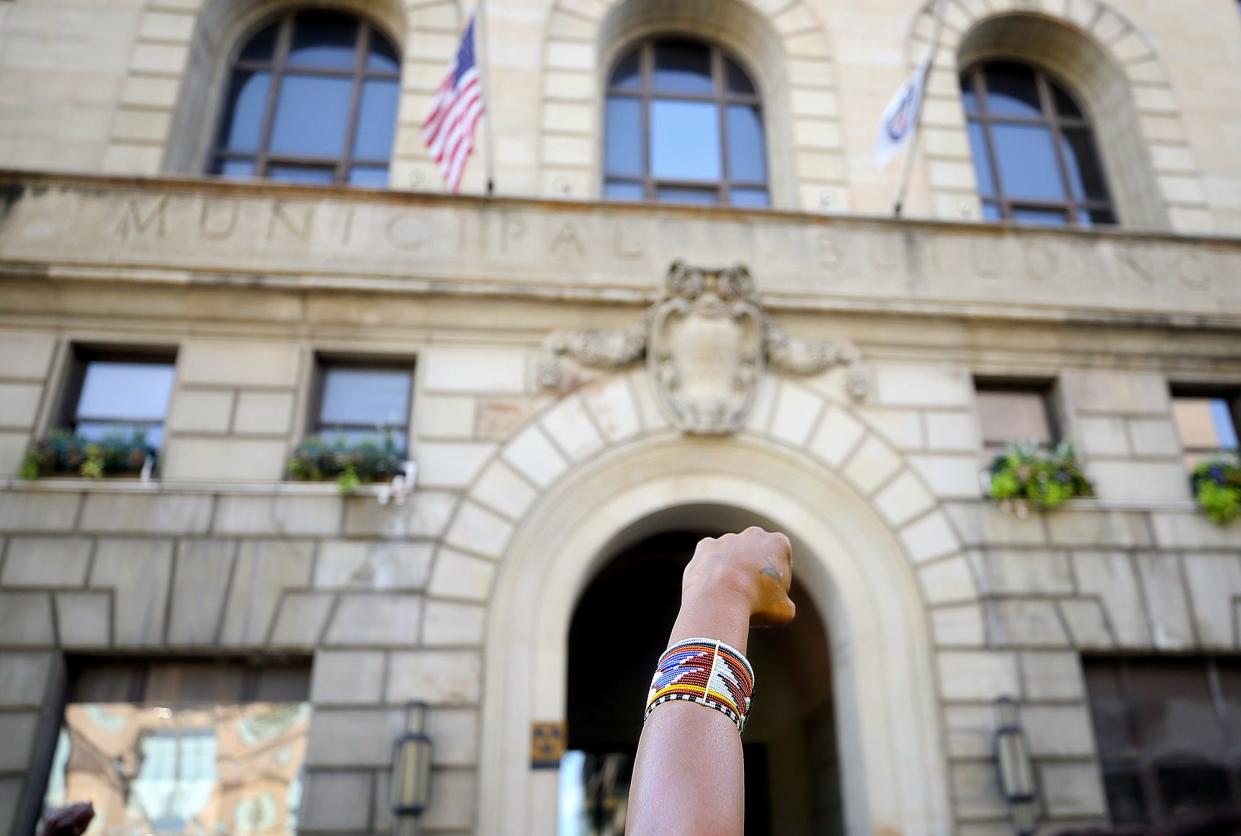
751 570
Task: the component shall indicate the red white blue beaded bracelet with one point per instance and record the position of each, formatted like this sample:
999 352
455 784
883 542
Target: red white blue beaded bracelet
707 672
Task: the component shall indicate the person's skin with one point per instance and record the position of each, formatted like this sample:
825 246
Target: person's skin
688 777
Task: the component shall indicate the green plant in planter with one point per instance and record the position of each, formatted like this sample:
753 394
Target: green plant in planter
315 460
63 453
1025 474
1217 487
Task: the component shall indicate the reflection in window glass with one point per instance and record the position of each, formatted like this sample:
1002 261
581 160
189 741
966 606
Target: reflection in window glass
685 140
375 177
1033 149
699 115
360 404
123 399
183 768
290 110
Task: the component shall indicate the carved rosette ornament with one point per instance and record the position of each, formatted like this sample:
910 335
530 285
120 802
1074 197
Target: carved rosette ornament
706 342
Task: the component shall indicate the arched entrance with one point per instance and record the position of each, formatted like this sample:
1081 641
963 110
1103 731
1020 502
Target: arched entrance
792 783
893 776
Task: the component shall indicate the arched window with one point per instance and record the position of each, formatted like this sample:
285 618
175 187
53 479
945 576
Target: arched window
1033 147
312 99
684 124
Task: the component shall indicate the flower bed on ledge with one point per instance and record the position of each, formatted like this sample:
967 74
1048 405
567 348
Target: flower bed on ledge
1217 489
1025 475
315 460
69 454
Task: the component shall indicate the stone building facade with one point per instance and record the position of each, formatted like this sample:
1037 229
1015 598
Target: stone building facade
551 403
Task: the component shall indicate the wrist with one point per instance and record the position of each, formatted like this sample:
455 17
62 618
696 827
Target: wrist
717 613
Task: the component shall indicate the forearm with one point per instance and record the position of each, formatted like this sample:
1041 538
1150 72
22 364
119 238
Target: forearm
687 754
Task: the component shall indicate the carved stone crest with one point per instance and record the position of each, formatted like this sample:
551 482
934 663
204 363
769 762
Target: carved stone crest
707 341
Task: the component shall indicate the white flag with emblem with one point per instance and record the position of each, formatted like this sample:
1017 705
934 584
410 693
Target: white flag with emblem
900 118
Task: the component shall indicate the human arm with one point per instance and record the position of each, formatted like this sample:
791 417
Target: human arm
688 775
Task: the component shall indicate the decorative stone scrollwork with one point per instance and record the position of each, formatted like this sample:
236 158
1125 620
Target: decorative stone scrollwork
706 342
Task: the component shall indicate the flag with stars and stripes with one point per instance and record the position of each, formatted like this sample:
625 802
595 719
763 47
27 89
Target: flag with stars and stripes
458 105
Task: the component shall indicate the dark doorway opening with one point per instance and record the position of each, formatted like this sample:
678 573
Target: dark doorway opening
619 629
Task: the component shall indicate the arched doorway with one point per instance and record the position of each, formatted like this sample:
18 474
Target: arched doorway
792 775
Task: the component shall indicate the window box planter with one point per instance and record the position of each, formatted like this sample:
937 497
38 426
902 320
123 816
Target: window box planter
351 465
69 454
1217 489
1026 476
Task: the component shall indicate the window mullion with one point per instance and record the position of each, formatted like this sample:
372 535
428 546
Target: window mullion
283 41
1057 140
360 46
980 93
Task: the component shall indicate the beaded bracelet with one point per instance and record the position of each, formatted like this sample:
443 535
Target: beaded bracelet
707 672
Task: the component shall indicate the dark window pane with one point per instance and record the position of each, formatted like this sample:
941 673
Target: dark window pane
151 434
312 113
1065 106
620 190
372 176
623 144
1186 788
750 197
1125 800
627 75
370 397
1171 709
737 80
747 159
301 174
125 391
1102 217
247 99
1011 91
969 99
376 119
1027 162
683 67
685 140
382 57
1039 217
239 169
703 197
262 46
325 40
1085 174
982 165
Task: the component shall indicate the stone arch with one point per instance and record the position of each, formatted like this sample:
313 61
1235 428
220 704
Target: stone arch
1103 56
784 45
601 460
179 65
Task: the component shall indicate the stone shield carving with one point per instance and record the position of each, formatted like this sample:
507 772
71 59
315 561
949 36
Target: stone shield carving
707 342
705 347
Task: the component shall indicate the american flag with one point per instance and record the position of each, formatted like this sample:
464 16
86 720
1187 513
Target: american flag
449 129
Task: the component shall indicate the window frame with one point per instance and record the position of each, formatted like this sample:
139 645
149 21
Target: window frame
1049 118
1229 393
81 355
361 362
1146 766
1044 388
720 96
278 68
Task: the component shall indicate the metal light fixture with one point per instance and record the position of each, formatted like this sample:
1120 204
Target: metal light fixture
410 791
1012 757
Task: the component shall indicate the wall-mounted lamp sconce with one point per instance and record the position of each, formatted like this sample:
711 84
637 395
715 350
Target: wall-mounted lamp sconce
410 791
1012 759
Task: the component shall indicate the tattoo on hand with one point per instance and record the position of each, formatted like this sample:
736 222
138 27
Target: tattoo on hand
772 572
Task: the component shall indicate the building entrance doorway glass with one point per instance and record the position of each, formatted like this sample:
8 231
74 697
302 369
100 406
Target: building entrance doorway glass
619 629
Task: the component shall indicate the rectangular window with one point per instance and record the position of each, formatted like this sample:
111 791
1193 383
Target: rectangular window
1168 732
361 401
1207 419
1014 411
198 746
119 393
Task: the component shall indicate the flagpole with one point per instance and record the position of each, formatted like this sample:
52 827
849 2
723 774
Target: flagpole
484 60
907 164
